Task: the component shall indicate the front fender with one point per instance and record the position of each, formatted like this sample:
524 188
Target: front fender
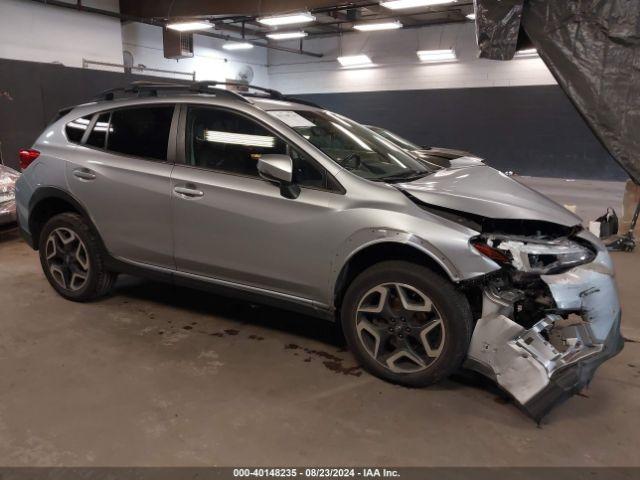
456 257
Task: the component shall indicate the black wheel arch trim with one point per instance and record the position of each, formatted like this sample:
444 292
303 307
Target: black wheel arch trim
44 193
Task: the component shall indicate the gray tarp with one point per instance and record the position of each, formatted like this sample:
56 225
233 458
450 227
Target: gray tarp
592 47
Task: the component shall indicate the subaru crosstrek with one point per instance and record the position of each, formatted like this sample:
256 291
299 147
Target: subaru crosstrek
279 201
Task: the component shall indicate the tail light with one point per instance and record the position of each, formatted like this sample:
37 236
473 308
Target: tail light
27 156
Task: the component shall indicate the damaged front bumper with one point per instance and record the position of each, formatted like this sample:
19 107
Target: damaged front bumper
556 357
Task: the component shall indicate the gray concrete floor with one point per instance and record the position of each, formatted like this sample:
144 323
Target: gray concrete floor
590 197
156 375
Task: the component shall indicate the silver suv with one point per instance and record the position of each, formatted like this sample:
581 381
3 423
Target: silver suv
279 201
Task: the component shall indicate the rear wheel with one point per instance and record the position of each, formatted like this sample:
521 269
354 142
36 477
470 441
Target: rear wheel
406 324
72 259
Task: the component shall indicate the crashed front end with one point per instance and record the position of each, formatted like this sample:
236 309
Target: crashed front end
548 318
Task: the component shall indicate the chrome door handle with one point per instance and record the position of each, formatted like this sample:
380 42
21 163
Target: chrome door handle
84 174
188 192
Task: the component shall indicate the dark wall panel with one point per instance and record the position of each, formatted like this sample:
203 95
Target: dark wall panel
531 130
32 93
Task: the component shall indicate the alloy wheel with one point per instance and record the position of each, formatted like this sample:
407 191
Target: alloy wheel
67 259
400 327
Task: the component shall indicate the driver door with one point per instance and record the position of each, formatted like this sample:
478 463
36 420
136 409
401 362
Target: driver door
233 226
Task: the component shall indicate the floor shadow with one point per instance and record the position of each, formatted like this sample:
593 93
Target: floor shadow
245 313
8 233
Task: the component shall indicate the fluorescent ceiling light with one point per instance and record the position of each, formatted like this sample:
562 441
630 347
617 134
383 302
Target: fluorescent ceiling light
400 4
189 26
354 60
371 27
528 53
289 19
237 46
215 136
437 55
102 127
286 35
471 16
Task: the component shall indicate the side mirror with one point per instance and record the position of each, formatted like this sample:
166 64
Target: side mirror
278 169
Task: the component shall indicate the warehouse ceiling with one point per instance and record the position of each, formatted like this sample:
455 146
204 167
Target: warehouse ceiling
331 18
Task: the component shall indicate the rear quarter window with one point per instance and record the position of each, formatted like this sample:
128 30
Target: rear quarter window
75 128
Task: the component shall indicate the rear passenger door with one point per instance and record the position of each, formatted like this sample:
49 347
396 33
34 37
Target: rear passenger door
121 173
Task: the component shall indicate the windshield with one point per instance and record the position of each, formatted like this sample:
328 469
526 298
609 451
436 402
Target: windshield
354 146
398 140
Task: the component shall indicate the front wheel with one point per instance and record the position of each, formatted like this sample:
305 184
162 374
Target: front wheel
72 259
406 324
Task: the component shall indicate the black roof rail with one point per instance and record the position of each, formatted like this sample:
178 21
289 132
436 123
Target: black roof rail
269 91
151 89
284 98
303 102
143 87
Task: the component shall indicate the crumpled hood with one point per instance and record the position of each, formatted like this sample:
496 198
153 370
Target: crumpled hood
445 157
447 153
484 191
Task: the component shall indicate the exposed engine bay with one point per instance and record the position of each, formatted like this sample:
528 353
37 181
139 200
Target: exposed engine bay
549 314
548 318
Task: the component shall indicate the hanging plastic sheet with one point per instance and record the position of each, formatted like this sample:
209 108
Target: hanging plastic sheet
592 47
497 27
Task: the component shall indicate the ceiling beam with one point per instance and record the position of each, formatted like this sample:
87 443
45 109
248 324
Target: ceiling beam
148 21
194 8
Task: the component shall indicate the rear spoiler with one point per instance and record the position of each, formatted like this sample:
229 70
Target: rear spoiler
61 113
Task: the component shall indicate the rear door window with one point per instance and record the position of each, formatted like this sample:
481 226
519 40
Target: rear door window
141 131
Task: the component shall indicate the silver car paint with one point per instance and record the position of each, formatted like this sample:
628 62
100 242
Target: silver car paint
351 222
488 192
467 161
240 232
136 221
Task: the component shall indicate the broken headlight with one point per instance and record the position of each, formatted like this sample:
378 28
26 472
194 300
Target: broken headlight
534 255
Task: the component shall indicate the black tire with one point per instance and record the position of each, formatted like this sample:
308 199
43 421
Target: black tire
451 308
98 280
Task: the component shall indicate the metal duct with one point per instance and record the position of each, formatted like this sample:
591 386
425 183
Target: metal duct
195 8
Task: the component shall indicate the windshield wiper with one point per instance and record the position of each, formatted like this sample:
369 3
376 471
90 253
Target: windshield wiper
406 176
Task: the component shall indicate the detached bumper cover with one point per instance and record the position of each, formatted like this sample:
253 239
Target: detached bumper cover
557 357
569 381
